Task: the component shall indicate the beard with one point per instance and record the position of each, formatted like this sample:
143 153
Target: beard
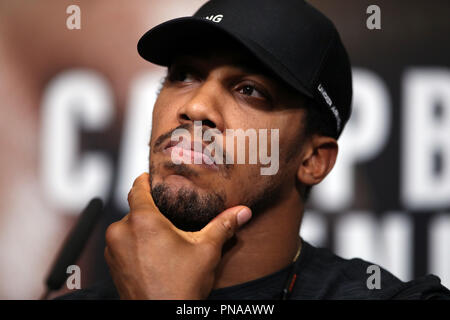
190 210
186 208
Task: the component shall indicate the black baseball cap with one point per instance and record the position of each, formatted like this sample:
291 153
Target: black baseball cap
290 37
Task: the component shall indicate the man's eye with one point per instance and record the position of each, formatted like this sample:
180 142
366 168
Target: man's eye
251 91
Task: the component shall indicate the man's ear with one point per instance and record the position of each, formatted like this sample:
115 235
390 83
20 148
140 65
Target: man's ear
318 159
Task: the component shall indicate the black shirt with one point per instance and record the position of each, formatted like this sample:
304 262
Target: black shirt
320 274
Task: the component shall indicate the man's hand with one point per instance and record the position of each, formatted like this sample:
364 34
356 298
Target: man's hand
149 258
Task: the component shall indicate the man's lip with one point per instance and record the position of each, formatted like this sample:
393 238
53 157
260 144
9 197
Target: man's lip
172 144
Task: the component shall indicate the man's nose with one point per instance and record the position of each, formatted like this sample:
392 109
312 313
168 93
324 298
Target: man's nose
204 105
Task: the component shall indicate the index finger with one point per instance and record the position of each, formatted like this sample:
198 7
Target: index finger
140 196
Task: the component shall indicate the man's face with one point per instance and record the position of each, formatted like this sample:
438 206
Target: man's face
225 89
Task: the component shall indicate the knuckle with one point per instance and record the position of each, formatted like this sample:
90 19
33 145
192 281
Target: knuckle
133 195
227 228
130 195
113 233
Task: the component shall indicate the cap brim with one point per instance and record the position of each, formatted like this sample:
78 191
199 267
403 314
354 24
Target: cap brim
160 44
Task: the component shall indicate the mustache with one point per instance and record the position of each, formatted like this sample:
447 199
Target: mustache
162 138
160 141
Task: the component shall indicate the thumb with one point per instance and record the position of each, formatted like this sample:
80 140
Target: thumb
225 225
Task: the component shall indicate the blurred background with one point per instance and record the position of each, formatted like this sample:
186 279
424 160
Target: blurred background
75 119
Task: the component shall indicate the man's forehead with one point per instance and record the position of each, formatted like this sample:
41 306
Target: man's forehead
226 53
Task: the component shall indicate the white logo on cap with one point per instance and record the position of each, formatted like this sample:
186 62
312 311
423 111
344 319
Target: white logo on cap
215 18
332 107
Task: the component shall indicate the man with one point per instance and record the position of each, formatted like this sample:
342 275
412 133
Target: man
202 228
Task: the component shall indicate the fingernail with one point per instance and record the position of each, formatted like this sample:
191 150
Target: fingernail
243 216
